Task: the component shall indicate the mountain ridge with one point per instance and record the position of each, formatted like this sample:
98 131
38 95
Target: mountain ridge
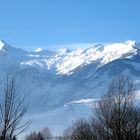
65 61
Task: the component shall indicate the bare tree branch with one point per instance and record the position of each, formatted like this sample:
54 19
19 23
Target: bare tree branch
12 110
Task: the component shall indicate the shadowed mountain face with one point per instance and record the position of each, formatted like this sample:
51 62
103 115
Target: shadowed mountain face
63 84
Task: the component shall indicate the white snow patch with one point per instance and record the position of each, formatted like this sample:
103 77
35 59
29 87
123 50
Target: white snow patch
1 44
116 50
90 102
62 51
137 97
38 50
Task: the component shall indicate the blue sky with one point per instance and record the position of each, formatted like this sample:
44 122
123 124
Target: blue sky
52 23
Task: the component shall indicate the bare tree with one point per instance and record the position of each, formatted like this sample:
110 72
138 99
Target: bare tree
46 133
35 136
118 118
12 111
80 130
32 136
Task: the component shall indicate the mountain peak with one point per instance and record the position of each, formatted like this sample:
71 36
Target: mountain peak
63 50
38 50
2 44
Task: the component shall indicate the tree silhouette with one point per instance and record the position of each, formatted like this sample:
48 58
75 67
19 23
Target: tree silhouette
12 110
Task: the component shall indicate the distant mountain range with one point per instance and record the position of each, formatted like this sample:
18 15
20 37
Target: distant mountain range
63 85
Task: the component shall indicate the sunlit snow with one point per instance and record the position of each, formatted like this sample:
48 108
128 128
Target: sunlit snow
64 61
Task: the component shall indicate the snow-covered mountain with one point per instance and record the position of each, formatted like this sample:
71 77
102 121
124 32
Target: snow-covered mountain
64 61
62 85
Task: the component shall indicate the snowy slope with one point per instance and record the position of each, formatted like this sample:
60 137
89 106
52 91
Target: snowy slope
62 85
65 62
